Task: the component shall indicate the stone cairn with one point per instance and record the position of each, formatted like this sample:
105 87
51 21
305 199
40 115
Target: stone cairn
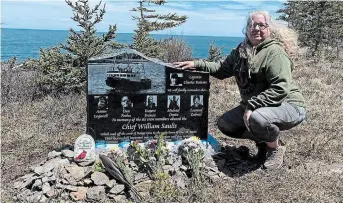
60 179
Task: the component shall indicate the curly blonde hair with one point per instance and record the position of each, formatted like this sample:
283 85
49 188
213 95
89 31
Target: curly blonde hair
287 37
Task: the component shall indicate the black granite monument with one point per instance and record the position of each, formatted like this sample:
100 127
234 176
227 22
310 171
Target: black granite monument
133 97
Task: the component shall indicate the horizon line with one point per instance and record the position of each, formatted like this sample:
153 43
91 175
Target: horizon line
126 32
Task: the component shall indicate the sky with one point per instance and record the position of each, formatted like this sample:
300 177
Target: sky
205 18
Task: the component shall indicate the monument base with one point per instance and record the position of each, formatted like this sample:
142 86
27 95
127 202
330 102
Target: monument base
211 142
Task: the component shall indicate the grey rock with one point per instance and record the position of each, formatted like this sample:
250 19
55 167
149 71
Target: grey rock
67 187
183 168
59 186
53 163
112 196
35 197
222 175
167 167
18 185
215 178
80 183
96 193
25 177
49 174
38 170
139 177
37 184
51 193
86 163
65 195
170 160
70 179
45 188
120 198
79 195
87 181
71 188
54 154
180 183
32 168
177 163
59 172
111 183
25 182
132 164
25 193
117 189
77 172
209 162
99 178
212 173
134 168
43 199
179 179
45 179
68 153
64 181
52 179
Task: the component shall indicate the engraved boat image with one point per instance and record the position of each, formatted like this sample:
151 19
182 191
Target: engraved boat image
125 70
127 80
128 74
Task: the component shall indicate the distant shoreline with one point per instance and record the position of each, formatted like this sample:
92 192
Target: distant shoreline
219 36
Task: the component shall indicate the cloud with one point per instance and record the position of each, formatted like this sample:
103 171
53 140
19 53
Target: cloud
224 18
180 5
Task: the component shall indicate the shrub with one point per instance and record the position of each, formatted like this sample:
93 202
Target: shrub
163 188
56 73
17 85
175 50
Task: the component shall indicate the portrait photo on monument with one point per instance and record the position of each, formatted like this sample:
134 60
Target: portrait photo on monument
102 102
173 102
126 103
151 102
176 79
197 101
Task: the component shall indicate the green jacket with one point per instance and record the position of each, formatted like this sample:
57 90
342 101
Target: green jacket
266 83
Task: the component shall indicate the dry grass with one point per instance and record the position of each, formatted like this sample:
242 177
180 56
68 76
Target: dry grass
317 142
32 128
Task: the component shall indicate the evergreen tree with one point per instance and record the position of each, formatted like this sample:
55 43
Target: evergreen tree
318 23
64 72
149 21
85 43
214 52
56 73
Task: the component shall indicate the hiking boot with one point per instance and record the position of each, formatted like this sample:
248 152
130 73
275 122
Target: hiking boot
260 157
274 157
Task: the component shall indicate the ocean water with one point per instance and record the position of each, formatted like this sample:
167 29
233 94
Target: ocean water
25 43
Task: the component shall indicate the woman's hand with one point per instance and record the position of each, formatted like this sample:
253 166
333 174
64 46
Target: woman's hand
184 65
246 117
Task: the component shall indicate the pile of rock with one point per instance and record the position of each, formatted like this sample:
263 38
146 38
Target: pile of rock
60 179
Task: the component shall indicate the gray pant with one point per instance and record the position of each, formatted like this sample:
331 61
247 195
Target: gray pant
265 123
